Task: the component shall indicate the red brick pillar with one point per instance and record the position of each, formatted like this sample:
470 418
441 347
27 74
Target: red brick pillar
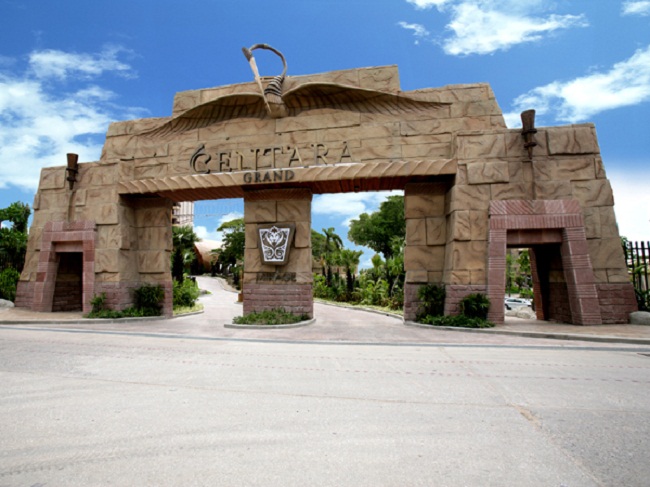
579 276
496 270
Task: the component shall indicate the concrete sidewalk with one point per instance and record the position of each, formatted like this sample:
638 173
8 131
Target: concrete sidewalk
333 324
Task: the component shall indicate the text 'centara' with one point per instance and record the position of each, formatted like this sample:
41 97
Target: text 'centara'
260 159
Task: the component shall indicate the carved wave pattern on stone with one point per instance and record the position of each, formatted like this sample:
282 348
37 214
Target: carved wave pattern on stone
274 243
208 186
309 96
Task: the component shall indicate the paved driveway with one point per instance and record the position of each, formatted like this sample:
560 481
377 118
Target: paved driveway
86 408
333 324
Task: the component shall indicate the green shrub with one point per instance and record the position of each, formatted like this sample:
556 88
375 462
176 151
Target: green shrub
148 299
98 302
125 313
526 293
459 321
185 293
432 300
643 299
276 316
182 310
475 305
8 281
106 313
148 302
178 265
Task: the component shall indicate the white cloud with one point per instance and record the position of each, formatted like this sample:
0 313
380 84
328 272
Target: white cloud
425 4
512 119
632 204
204 234
52 63
626 83
483 28
349 205
487 26
636 7
418 30
40 122
233 215
214 235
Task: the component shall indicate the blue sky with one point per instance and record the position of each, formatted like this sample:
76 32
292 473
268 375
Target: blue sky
69 68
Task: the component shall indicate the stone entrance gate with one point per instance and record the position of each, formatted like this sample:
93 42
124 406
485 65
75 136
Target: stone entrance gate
472 188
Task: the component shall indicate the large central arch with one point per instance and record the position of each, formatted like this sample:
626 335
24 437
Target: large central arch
447 148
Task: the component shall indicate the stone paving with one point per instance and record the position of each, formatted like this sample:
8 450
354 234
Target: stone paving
333 324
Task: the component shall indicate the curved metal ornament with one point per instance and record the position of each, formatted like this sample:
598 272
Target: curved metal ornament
273 92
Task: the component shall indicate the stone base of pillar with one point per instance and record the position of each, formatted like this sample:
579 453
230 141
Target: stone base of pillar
454 293
119 295
411 302
25 294
293 298
617 301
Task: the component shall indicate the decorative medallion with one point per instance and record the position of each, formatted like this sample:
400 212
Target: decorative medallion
275 242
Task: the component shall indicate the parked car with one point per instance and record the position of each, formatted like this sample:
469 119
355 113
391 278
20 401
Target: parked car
511 303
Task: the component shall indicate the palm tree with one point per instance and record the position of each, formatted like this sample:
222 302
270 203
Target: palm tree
332 240
350 260
183 240
333 244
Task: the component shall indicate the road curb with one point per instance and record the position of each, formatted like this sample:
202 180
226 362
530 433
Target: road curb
99 321
536 334
270 327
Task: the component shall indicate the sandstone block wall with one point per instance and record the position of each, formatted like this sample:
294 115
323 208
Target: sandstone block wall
352 130
360 132
426 240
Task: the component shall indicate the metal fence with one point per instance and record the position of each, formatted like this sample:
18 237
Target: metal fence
637 258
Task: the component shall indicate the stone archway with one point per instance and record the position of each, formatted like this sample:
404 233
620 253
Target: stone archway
543 223
60 238
471 184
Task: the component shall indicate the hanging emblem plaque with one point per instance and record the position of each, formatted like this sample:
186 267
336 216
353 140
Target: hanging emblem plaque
275 242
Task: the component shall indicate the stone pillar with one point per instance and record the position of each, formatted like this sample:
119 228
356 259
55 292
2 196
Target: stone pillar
426 236
289 285
135 252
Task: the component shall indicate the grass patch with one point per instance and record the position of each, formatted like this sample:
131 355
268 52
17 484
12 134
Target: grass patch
183 310
276 316
127 313
383 309
458 321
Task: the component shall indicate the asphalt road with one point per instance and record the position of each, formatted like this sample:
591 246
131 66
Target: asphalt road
94 409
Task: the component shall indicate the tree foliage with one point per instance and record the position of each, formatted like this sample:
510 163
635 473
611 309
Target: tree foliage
377 230
384 231
349 260
18 214
317 245
233 245
13 240
183 240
